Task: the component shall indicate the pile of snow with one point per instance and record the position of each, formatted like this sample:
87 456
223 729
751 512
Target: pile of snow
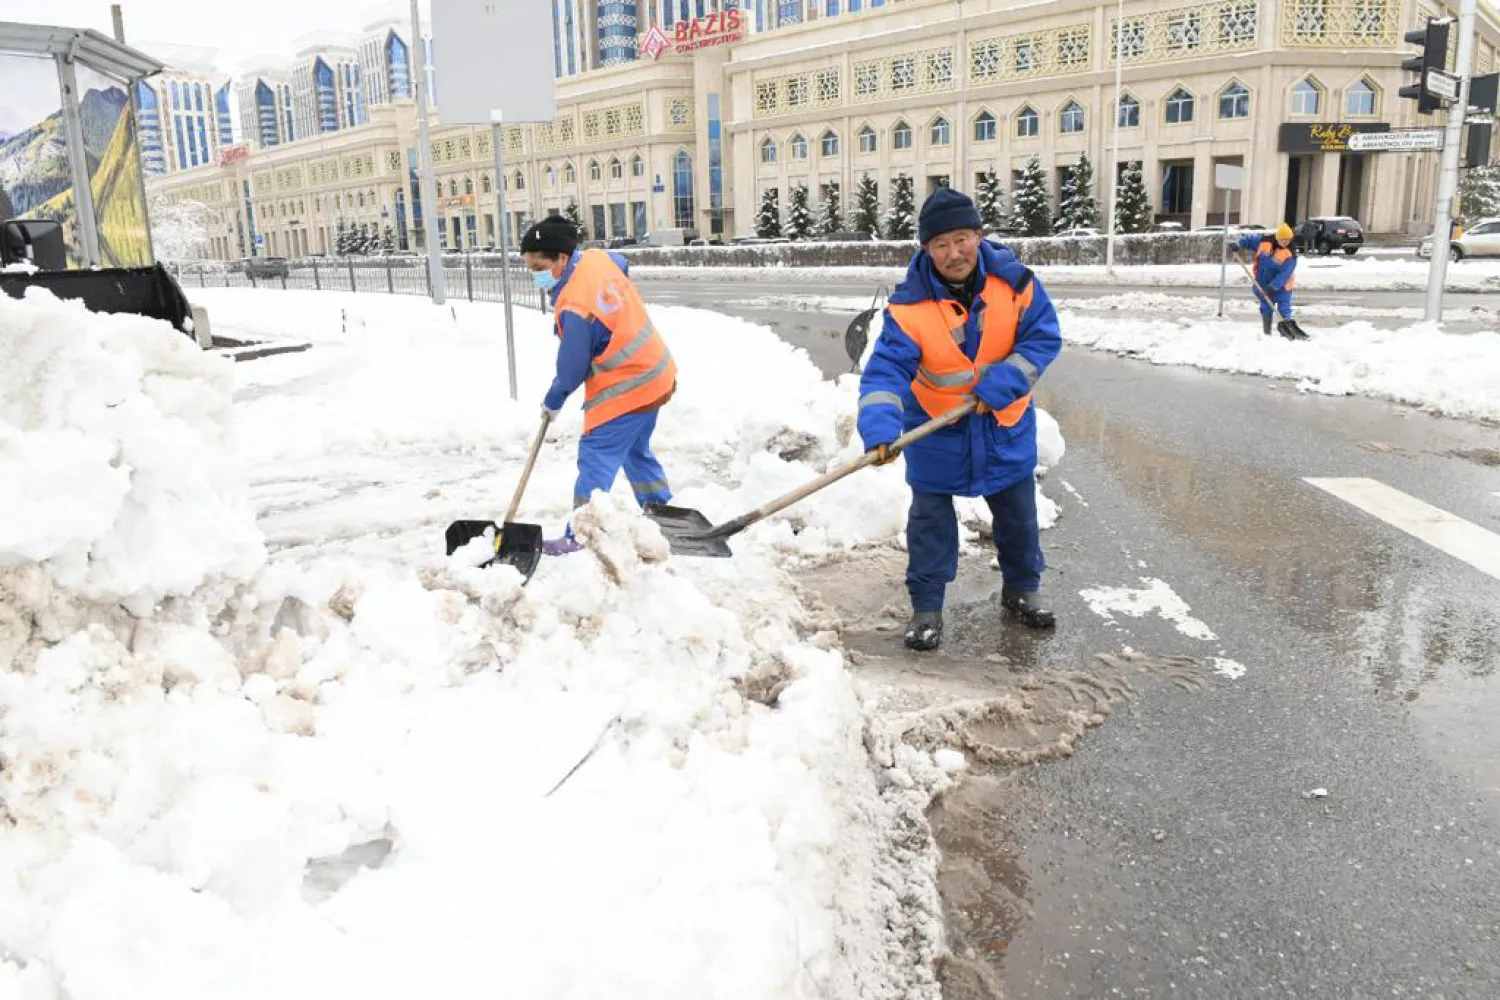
115 446
333 761
1451 374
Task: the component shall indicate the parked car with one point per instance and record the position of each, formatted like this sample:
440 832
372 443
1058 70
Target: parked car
1169 227
1326 234
267 267
1480 240
1080 232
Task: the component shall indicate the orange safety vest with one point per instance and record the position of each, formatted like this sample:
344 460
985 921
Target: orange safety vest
1280 255
945 376
636 371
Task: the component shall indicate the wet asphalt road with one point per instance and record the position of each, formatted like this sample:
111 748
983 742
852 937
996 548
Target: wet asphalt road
1177 852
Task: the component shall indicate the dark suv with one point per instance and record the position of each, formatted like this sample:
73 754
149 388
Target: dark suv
1325 235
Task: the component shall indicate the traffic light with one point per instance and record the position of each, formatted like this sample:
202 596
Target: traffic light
1433 58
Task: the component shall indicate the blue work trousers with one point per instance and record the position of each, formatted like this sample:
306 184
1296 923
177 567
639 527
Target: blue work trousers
1283 300
932 543
624 442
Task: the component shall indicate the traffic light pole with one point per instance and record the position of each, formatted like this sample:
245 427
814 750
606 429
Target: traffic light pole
1447 185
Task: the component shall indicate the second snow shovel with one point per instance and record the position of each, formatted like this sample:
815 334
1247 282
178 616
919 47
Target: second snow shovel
518 545
691 534
1288 328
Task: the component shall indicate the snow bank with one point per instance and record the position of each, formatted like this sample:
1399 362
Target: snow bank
1452 374
116 469
354 767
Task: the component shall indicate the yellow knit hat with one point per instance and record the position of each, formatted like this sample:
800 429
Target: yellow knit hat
1284 232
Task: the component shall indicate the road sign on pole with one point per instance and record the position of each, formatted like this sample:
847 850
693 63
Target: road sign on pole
1444 85
1396 140
495 60
1229 177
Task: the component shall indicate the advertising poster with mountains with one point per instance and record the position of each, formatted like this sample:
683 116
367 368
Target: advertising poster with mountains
36 176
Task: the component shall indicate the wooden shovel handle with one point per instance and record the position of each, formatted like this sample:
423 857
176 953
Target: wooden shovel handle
895 448
536 448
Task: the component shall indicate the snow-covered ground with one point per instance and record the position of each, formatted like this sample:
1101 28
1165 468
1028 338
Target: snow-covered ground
1318 273
260 738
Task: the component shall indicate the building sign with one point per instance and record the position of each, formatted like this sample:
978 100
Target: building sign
716 28
1398 140
233 154
1328 137
461 201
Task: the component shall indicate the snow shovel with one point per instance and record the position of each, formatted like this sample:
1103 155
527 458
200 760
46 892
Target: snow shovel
691 534
518 545
1288 328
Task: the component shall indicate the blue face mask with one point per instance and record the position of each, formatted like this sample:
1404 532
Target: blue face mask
544 280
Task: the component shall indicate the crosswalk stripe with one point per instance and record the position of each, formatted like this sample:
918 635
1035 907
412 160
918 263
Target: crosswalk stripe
1446 532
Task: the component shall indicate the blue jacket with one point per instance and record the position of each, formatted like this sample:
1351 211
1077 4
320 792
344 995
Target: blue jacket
976 456
1269 275
583 340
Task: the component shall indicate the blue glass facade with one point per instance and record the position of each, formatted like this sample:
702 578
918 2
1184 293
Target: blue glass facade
791 12
557 38
221 112
682 190
265 114
148 127
617 23
715 167
326 97
398 57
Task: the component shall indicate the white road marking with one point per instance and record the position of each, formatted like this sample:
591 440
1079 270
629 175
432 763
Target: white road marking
1155 597
1463 540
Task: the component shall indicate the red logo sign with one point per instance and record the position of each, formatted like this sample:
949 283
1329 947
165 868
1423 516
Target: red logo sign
655 42
233 154
709 30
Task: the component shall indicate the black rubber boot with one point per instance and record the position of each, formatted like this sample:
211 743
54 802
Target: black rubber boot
1265 322
925 633
1029 609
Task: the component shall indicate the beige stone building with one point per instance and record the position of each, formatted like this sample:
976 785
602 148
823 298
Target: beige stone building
938 90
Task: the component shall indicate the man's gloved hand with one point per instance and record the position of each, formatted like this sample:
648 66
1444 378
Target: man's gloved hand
1001 386
884 453
548 413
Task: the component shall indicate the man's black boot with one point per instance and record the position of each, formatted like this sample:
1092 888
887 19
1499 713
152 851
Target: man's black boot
925 633
1029 608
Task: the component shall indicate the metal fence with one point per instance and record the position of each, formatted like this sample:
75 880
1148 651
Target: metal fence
464 278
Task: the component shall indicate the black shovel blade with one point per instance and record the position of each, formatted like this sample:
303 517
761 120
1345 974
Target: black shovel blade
687 531
520 544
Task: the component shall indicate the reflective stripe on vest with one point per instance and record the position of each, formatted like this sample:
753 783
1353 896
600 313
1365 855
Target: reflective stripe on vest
1278 254
636 370
945 376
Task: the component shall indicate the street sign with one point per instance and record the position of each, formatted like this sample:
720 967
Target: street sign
1229 177
1444 85
493 55
1398 140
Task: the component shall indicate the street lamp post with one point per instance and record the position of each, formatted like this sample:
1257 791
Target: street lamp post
1114 166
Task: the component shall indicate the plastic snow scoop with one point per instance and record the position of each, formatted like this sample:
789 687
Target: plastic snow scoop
518 545
691 534
1288 328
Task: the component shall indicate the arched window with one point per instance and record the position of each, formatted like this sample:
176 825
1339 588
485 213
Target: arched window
867 140
828 144
799 147
984 127
768 150
1307 98
940 133
1129 113
1360 102
637 166
520 181
1234 101
485 184
1179 107
596 173
901 135
570 174
1070 121
1028 124
682 190
616 169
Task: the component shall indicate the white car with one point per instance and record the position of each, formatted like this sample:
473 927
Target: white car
1481 241
1080 231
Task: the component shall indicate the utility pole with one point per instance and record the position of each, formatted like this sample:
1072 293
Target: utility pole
1114 165
1447 185
427 181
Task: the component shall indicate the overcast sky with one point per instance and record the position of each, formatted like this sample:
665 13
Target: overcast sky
237 31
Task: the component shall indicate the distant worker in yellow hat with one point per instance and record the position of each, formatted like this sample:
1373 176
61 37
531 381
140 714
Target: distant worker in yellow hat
1274 266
